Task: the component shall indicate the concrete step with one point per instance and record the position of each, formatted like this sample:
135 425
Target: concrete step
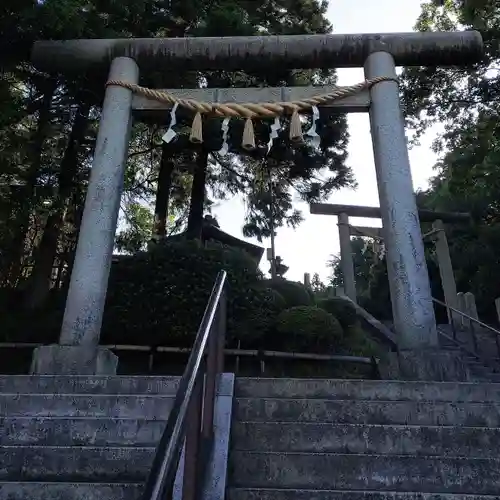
280 494
97 405
490 377
60 384
70 491
78 464
83 431
469 442
367 412
365 472
367 389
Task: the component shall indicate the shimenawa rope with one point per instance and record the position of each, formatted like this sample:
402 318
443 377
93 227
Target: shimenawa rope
250 110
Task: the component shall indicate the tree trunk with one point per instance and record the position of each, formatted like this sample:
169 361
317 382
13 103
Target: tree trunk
28 192
41 276
72 241
163 193
195 219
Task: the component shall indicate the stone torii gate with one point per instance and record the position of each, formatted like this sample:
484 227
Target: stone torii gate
78 350
346 230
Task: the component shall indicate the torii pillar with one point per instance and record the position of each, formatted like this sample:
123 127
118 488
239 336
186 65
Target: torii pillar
78 349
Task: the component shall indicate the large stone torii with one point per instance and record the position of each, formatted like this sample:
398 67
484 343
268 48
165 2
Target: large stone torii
78 350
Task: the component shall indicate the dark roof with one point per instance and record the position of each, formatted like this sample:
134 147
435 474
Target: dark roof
211 232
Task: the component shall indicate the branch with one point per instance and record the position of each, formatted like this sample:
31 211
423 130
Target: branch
149 150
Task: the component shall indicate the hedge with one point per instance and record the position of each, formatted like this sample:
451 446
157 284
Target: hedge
158 297
341 309
294 293
308 329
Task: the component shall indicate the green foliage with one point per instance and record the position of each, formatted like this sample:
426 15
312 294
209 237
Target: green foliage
466 101
265 304
340 309
159 297
38 133
293 292
357 342
140 222
308 329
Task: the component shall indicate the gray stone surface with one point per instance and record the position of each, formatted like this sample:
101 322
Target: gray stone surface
74 384
368 412
215 488
73 360
364 440
80 431
359 472
296 494
97 405
373 439
69 491
75 463
96 441
50 384
432 364
366 390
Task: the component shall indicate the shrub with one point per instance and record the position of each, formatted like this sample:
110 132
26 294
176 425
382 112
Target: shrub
341 309
357 342
294 293
265 305
308 329
159 297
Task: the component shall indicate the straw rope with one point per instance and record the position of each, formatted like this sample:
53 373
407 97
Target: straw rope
249 109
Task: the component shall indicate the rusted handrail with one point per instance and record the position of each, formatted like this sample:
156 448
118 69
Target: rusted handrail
191 418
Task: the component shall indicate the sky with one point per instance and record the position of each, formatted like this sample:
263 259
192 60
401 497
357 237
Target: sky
307 248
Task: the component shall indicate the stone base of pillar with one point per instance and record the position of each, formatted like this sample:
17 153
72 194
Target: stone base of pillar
437 365
58 359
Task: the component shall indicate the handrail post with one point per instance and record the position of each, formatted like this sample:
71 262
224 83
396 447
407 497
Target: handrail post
474 337
214 366
221 330
375 369
452 318
191 483
210 387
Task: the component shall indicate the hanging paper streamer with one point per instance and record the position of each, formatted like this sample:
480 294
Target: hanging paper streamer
312 131
170 133
381 254
225 130
275 127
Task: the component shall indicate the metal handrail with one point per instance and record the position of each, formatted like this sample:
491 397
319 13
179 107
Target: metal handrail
473 334
470 318
186 420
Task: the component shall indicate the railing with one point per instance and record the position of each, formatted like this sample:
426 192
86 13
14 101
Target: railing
260 355
192 416
472 328
381 331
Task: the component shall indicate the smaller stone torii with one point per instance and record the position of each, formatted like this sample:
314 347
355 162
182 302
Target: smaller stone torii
437 234
118 63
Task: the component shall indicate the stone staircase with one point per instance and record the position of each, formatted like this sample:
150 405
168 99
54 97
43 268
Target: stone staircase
354 440
484 369
76 438
93 438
